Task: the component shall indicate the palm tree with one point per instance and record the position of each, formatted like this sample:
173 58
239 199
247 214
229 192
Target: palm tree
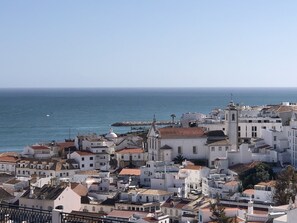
179 159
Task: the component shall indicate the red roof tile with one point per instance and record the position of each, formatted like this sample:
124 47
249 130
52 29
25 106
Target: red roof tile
84 153
193 167
168 133
8 159
126 171
40 147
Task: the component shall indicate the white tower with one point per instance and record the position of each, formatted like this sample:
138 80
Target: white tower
231 118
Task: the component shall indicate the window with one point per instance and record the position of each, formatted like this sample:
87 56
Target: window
274 138
179 150
82 165
91 158
91 165
233 117
194 150
220 148
212 149
83 158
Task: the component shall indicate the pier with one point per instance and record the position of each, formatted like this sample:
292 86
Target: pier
143 123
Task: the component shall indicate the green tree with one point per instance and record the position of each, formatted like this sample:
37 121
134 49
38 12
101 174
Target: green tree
261 173
286 186
218 212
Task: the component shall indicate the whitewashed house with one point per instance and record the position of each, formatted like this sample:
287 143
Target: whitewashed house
8 163
85 159
131 156
50 197
46 168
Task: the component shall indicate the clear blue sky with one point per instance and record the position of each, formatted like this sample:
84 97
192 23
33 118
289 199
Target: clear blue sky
149 43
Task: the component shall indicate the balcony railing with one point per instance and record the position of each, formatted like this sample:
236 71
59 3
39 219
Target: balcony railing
12 213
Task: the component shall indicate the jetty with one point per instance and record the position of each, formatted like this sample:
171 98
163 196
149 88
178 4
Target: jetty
143 123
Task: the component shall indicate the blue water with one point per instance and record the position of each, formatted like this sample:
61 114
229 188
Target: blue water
28 116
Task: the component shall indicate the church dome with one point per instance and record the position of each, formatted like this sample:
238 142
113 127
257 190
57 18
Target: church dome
111 135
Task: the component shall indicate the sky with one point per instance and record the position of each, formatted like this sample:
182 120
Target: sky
148 43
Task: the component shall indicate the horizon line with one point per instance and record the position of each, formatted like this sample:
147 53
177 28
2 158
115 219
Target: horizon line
53 88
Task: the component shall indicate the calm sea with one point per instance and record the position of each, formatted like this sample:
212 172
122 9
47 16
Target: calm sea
28 116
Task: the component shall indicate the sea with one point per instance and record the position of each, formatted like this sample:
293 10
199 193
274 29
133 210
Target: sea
29 116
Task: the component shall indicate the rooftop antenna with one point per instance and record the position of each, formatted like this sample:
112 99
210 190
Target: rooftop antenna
231 96
154 120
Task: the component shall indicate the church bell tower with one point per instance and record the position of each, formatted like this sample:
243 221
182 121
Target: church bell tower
231 119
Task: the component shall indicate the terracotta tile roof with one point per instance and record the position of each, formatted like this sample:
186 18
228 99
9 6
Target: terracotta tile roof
155 192
39 147
176 203
240 168
268 184
132 172
8 159
232 183
249 192
168 133
79 189
64 145
193 167
84 153
130 150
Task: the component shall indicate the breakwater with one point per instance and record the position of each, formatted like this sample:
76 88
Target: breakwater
141 123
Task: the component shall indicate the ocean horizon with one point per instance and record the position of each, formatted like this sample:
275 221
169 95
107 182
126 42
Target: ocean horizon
33 115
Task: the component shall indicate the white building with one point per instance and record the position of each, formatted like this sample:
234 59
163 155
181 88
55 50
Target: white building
164 144
85 159
145 195
152 168
264 191
37 151
131 156
129 141
219 184
47 168
50 197
8 163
